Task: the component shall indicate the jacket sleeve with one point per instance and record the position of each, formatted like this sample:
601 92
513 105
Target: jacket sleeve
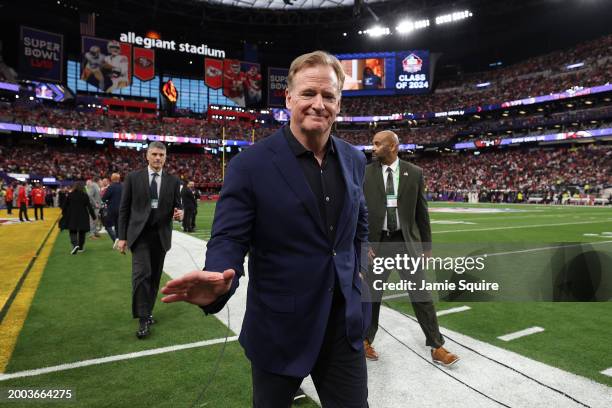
90 208
231 230
361 237
422 216
124 207
107 195
177 195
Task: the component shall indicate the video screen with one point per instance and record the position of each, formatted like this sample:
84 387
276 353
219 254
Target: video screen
366 73
387 73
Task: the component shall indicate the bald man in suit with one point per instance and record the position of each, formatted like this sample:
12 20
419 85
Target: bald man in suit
398 217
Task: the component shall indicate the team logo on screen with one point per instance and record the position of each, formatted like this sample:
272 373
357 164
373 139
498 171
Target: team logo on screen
412 63
213 71
144 62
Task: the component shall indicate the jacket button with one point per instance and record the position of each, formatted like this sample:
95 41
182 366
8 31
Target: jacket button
333 253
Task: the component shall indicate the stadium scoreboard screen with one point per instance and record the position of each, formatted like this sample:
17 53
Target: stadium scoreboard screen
387 73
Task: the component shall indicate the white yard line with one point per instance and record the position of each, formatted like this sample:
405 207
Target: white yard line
396 296
111 359
453 310
607 372
549 248
521 333
519 227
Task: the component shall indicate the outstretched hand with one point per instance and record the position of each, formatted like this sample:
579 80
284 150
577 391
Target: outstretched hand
198 287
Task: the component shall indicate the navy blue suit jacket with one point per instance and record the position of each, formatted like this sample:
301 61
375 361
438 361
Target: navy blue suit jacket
112 198
267 209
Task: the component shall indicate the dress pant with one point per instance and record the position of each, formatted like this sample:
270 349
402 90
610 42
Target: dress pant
110 223
189 219
9 207
147 264
77 238
95 225
23 212
38 207
424 311
340 374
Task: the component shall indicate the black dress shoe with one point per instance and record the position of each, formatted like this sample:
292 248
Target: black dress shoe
143 328
151 320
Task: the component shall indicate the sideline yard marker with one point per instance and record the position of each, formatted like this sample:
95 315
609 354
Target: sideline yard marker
521 333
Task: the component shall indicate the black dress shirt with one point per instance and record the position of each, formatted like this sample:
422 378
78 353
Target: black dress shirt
325 180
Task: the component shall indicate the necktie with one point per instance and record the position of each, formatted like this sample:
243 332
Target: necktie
391 213
154 187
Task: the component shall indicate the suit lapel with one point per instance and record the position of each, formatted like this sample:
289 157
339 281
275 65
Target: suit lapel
379 180
290 170
163 191
350 195
145 183
404 178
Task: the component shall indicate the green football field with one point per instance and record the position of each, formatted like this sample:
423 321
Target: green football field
577 335
81 312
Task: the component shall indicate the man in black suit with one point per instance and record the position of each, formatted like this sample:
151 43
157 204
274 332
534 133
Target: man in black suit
149 201
397 213
189 206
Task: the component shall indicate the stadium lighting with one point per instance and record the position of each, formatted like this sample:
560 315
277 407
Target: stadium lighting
378 31
404 27
452 17
574 66
407 26
483 85
421 24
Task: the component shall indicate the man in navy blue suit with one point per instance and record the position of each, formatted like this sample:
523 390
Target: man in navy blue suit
294 202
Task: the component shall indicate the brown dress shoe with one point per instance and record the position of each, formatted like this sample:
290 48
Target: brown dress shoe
443 357
370 353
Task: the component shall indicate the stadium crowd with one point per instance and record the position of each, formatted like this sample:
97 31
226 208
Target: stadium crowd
72 163
533 171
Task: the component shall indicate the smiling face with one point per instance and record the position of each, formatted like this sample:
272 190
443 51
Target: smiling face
156 158
314 100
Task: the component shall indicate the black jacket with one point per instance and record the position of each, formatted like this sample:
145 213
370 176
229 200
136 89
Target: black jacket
76 211
112 198
188 199
135 206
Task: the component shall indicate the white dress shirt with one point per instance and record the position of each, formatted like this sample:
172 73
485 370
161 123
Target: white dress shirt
157 179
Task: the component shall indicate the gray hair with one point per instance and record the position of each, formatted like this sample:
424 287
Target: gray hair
313 59
157 145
